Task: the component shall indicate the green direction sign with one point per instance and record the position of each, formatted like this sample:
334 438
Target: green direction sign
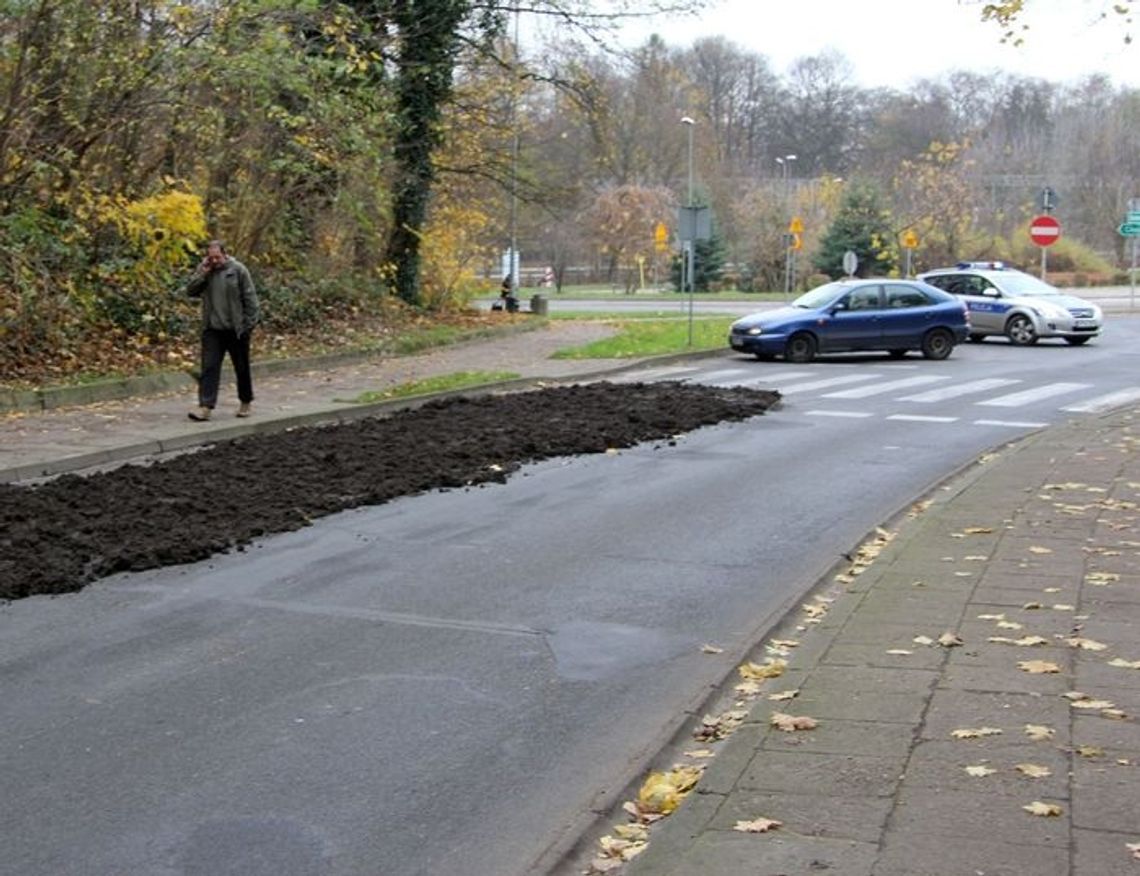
1133 217
1130 229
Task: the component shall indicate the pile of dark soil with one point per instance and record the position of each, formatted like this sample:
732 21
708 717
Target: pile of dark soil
57 536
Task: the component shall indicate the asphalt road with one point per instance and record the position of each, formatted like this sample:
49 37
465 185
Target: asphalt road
446 684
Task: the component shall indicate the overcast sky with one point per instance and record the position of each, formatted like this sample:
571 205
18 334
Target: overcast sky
893 42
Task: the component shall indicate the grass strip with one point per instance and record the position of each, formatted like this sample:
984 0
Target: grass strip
440 383
638 338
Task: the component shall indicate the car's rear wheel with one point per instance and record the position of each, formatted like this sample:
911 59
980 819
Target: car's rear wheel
800 348
897 354
1076 342
1020 330
976 338
937 344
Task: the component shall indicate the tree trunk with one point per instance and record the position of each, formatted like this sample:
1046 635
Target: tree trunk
429 39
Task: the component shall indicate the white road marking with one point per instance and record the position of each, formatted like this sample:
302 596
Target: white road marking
1017 399
850 415
1011 423
1104 402
960 389
828 382
889 386
917 418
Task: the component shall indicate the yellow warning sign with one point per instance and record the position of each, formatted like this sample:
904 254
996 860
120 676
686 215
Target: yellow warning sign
796 226
909 240
661 237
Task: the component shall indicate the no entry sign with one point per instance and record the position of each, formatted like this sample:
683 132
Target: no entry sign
1044 230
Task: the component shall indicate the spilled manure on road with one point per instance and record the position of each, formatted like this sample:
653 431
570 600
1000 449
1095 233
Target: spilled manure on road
57 536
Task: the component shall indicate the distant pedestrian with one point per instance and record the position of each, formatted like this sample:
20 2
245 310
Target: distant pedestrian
507 299
230 310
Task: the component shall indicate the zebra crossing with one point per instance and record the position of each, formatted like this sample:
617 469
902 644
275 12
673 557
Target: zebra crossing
918 395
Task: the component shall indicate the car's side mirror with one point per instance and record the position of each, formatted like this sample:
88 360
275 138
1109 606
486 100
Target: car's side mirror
838 306
991 292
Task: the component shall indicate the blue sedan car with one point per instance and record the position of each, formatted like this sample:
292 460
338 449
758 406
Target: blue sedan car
856 315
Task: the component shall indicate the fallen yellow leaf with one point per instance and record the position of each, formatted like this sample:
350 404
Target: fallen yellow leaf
1121 663
720 726
1032 606
1039 732
759 671
993 617
978 530
980 771
1092 704
711 649
784 695
1037 549
634 832
975 732
1048 810
621 849
1090 751
757 825
1062 607
700 753
1034 771
1101 579
748 688
1085 644
662 792
1134 848
900 652
1038 667
923 640
950 640
790 723
1115 714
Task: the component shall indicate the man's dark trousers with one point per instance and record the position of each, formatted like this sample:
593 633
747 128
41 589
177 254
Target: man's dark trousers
215 344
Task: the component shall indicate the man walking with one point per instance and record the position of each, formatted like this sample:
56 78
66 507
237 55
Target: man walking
229 312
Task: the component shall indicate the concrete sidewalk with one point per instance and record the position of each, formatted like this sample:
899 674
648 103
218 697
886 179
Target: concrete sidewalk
926 755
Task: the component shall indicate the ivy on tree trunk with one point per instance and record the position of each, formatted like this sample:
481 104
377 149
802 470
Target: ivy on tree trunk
429 38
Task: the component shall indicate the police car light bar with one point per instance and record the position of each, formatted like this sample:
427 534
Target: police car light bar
987 266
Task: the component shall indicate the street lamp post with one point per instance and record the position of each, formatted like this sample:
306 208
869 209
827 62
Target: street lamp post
688 274
785 162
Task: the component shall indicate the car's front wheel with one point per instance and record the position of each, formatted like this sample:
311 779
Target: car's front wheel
1076 342
937 344
1020 330
800 348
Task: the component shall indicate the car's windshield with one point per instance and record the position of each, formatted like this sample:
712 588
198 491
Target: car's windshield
1017 283
820 296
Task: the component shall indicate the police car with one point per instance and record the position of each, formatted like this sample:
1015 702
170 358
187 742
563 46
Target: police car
1004 301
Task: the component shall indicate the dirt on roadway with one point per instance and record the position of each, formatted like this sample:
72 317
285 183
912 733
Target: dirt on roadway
58 536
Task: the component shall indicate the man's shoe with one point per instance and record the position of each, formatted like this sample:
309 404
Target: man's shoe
200 415
243 411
